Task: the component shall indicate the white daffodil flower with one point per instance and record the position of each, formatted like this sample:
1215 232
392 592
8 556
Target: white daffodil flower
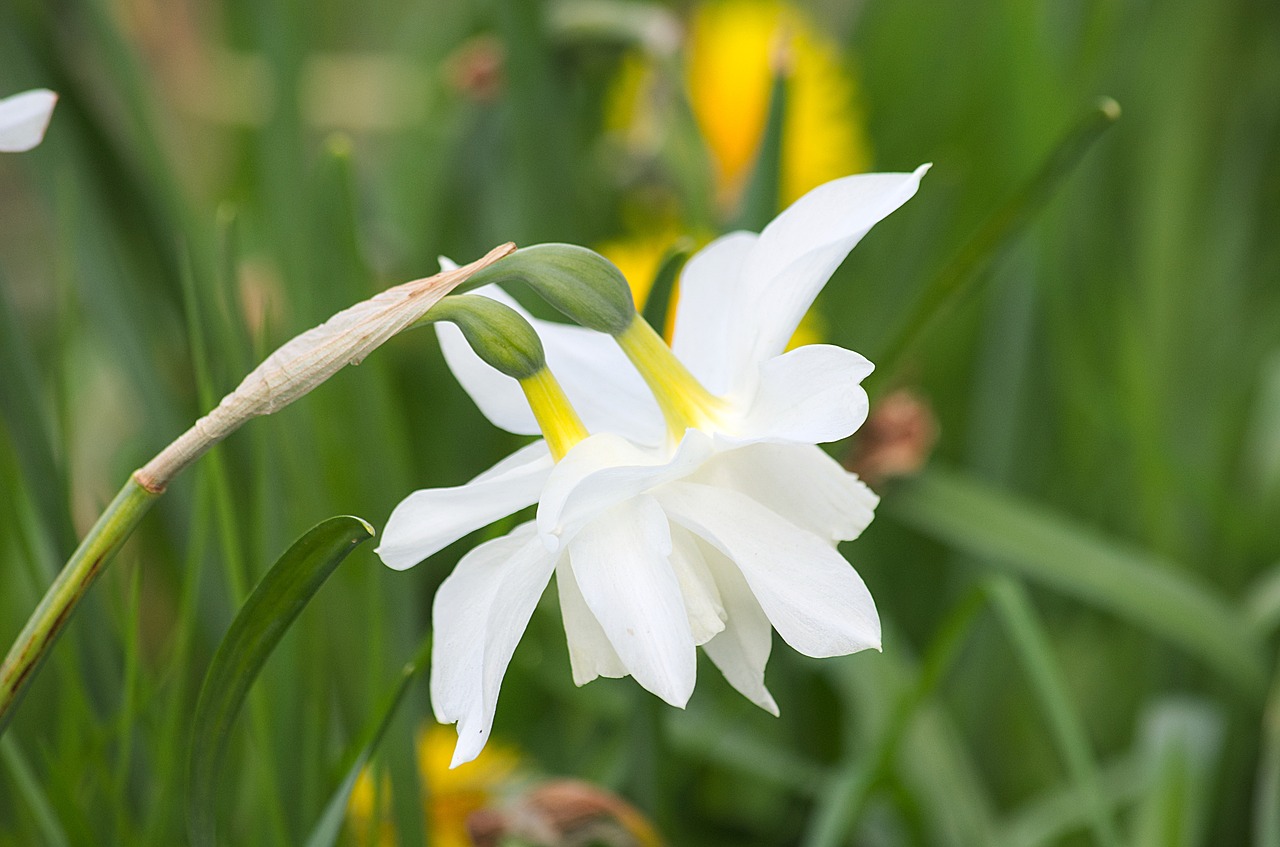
24 118
711 536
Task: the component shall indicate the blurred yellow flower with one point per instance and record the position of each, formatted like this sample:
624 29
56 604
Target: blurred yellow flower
729 72
450 796
729 67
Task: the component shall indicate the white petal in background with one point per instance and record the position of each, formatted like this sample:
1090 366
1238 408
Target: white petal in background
24 118
620 561
813 597
480 612
810 395
800 483
430 519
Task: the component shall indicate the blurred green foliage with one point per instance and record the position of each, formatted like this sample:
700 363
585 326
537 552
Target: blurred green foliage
220 176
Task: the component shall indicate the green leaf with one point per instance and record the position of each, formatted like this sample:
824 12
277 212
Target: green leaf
762 197
1031 644
658 301
262 621
995 234
29 788
1183 744
1266 818
1050 549
329 827
1064 809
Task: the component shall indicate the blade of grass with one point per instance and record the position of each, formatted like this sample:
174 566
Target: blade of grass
1183 743
997 231
1013 608
847 791
1047 820
1050 549
657 303
258 627
762 196
29 426
28 787
1266 819
329 826
130 707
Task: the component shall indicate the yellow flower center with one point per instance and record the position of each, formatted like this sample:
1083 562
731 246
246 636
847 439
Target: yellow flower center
556 417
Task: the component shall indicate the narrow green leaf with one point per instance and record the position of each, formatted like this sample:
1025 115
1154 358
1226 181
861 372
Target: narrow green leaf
329 827
1266 819
658 302
762 197
1000 228
845 794
1016 613
1048 819
1183 741
262 621
27 421
29 789
1050 549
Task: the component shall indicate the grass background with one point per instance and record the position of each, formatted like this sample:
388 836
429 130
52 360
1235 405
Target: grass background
1080 593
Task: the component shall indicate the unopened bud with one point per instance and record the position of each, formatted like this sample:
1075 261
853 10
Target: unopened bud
580 283
496 332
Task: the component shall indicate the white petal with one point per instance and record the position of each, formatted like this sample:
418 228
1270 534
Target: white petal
620 561
742 650
604 470
480 612
430 519
24 118
590 653
810 395
800 249
603 387
800 482
701 597
813 597
707 333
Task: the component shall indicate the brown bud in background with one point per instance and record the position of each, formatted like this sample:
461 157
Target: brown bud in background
564 813
896 440
476 68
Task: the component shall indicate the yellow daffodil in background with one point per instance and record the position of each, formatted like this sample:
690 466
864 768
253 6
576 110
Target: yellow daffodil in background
729 71
730 60
452 796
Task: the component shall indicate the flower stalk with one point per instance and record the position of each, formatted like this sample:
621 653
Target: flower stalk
289 373
106 537
685 403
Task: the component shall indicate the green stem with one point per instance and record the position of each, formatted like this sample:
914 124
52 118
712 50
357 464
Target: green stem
51 616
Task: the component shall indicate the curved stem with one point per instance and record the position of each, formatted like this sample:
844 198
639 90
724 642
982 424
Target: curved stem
50 617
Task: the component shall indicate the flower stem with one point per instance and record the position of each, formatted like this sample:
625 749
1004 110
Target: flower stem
51 616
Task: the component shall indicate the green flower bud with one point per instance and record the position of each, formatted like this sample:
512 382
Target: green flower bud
496 332
580 283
